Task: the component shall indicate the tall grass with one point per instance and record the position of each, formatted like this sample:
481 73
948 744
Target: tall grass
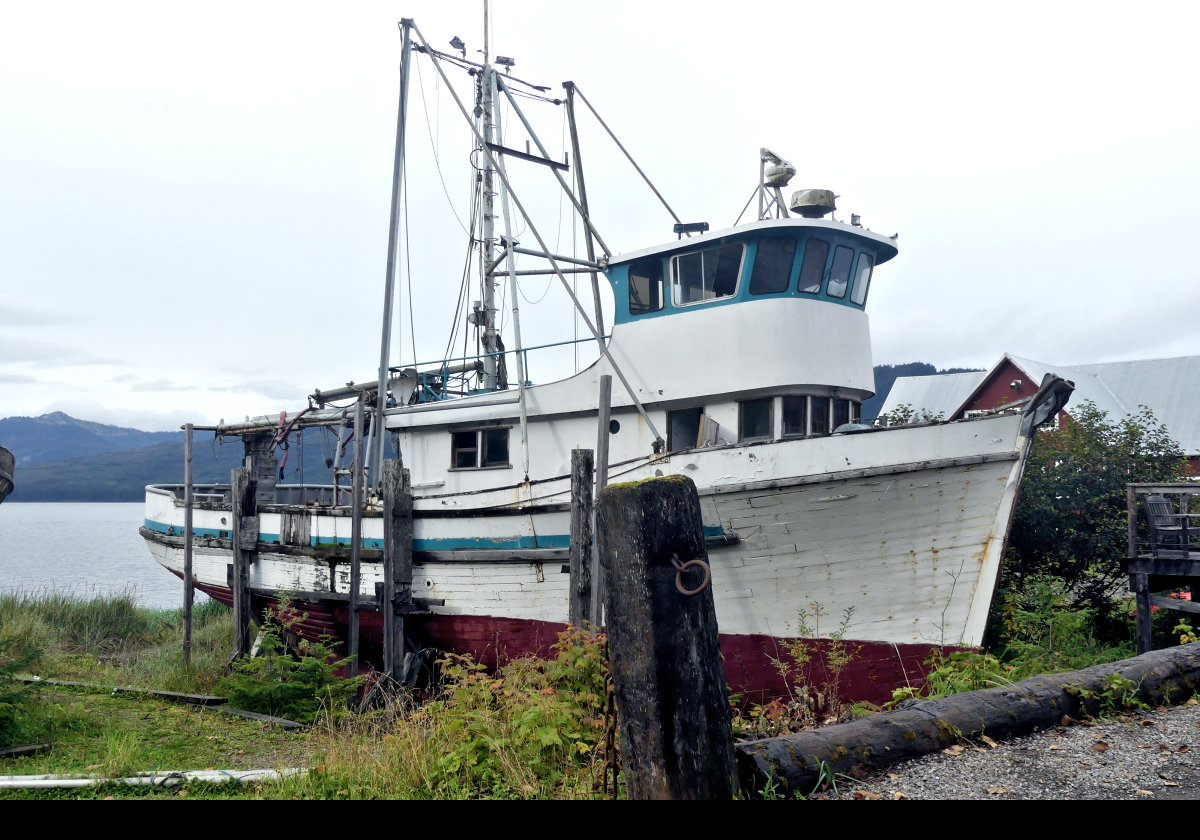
108 638
533 730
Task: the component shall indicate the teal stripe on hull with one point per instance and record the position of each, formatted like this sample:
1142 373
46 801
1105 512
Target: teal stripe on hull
439 544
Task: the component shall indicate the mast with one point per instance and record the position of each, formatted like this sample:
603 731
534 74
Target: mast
393 245
484 109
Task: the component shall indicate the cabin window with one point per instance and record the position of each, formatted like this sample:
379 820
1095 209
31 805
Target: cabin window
819 412
772 266
479 449
645 287
683 428
862 278
705 275
795 416
755 419
839 274
812 271
841 412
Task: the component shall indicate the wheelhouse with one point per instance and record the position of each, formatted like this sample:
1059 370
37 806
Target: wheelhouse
821 261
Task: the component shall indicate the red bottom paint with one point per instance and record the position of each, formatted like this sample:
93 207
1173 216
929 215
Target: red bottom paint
757 667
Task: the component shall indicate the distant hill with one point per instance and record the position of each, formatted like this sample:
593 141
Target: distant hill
58 436
122 475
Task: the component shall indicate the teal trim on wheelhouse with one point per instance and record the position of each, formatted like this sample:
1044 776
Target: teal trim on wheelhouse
703 267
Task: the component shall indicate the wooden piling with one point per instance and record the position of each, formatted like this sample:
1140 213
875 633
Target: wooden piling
244 524
189 591
596 608
580 603
397 566
356 504
666 664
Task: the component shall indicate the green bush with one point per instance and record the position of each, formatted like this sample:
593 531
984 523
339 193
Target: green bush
300 685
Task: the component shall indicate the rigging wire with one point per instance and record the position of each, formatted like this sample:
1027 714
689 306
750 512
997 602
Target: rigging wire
412 329
436 161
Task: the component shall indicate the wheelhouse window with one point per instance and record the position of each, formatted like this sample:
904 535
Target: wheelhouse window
795 416
683 428
804 416
819 416
706 275
479 449
839 274
645 286
755 419
862 278
812 271
772 266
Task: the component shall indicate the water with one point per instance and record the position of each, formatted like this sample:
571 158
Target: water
84 549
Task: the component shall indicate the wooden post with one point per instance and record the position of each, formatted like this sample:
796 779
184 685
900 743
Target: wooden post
580 607
189 591
1140 584
356 476
666 664
1130 523
596 608
397 565
244 538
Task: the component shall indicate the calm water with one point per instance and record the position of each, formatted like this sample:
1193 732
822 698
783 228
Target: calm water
84 549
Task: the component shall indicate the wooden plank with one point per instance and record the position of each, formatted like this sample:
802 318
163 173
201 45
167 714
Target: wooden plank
1179 566
1174 604
23 749
666 663
282 723
580 606
179 697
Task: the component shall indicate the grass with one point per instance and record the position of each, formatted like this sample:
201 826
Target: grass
533 730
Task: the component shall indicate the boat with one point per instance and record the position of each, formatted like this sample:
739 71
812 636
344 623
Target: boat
738 357
7 466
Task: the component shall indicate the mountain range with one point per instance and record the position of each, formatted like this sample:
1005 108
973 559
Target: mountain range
63 459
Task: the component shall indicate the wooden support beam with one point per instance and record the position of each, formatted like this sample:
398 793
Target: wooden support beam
396 596
1140 584
244 513
666 664
580 602
189 589
356 506
596 609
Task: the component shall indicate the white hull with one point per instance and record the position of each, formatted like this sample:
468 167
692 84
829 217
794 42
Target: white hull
905 538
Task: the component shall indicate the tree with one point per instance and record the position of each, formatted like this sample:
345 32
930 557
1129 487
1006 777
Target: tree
1070 520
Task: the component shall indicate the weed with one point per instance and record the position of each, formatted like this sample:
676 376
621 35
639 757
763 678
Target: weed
1185 632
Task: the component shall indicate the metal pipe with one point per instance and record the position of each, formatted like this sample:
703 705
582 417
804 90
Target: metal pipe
582 184
531 253
393 240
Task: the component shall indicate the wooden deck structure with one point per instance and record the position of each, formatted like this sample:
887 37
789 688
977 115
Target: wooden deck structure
1165 554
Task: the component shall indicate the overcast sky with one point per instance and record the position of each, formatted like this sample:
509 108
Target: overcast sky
194 198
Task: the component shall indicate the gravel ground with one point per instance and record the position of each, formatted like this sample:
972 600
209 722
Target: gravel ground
1147 755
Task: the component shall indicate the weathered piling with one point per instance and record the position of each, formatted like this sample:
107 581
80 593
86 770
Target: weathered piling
798 762
662 641
244 510
580 602
396 597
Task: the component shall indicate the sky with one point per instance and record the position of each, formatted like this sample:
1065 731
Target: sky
194 200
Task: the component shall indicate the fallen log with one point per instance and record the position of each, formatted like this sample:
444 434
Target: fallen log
863 747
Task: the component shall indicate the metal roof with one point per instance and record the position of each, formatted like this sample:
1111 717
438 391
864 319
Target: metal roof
1170 388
